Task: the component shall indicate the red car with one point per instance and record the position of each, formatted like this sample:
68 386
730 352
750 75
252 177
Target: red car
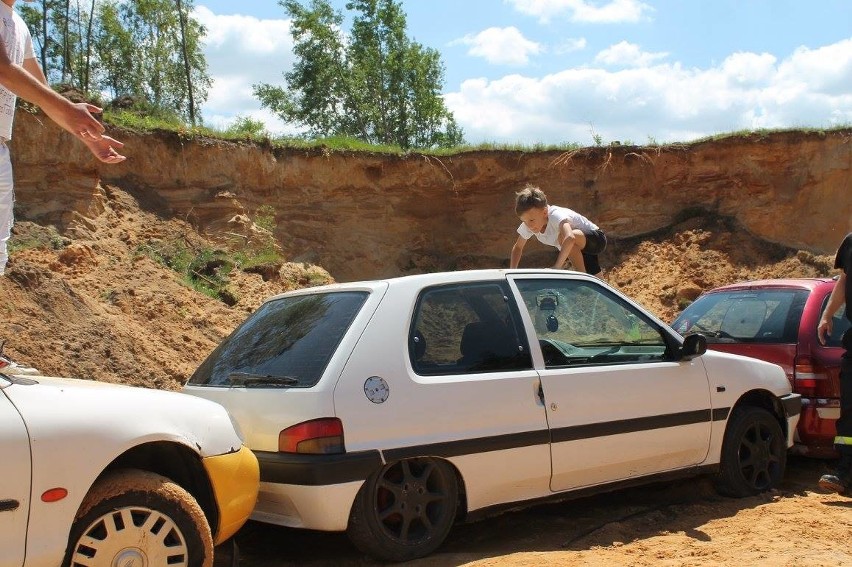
776 321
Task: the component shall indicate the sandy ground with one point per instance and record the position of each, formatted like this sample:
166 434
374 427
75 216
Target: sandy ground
678 524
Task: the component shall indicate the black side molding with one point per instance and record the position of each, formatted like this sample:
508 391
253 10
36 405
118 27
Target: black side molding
9 505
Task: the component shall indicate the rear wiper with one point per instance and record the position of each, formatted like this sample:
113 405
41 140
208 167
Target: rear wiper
250 379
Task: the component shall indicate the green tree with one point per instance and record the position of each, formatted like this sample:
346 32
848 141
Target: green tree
151 50
379 86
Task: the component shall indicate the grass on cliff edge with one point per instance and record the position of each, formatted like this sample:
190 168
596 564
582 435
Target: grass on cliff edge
248 130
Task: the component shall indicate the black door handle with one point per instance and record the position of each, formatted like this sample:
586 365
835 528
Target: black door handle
9 505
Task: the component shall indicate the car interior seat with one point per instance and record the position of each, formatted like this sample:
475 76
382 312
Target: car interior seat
485 344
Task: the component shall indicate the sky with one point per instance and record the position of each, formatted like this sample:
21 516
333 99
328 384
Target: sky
580 71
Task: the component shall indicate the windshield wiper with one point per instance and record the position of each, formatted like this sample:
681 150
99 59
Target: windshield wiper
250 379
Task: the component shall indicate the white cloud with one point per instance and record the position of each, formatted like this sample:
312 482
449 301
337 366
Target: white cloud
570 45
626 54
242 51
501 46
585 11
665 102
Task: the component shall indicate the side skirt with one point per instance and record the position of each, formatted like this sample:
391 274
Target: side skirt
488 511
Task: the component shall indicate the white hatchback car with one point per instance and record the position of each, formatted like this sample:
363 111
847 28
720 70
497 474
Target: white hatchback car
391 409
97 474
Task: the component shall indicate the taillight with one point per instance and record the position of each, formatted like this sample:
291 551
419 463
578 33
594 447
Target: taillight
809 380
319 437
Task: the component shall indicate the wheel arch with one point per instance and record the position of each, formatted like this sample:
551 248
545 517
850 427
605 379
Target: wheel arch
177 463
461 510
766 400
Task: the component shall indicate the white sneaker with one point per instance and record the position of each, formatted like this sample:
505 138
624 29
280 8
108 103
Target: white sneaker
11 367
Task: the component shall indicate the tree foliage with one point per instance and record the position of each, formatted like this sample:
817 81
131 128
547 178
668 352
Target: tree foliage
148 50
377 86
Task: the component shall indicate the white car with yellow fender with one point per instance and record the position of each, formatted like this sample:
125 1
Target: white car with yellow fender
391 409
97 474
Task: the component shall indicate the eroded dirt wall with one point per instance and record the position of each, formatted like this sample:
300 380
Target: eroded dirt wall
369 215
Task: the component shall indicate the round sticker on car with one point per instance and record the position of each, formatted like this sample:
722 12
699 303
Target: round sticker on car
377 389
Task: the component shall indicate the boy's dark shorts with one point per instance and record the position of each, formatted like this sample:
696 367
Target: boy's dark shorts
595 244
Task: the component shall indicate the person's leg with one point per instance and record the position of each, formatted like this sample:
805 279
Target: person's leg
576 254
7 204
841 480
595 244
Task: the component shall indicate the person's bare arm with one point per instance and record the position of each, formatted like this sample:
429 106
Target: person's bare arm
103 147
835 300
517 252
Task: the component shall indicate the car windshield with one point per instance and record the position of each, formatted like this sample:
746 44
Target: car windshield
287 342
761 316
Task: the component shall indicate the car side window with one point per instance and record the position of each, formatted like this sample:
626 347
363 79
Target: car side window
580 323
466 328
839 325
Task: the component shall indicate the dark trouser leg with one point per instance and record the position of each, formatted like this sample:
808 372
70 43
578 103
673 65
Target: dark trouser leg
843 441
841 480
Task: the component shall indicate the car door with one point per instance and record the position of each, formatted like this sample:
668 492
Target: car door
15 485
618 403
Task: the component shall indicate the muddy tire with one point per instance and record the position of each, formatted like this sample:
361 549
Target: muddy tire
405 510
133 517
754 453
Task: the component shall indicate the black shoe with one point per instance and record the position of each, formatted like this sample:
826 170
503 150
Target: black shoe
834 483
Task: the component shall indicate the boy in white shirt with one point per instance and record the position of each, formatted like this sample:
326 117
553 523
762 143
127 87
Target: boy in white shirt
577 238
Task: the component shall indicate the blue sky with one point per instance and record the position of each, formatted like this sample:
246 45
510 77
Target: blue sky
577 71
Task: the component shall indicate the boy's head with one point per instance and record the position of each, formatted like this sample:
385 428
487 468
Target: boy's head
531 207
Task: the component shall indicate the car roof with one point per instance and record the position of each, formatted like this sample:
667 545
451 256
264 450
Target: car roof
796 283
429 279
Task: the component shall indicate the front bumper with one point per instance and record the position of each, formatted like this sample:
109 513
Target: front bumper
235 478
792 404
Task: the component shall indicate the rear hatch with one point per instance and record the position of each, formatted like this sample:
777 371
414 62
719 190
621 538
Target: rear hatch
280 366
760 323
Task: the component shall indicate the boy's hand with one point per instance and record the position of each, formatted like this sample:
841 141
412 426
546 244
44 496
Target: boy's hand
103 148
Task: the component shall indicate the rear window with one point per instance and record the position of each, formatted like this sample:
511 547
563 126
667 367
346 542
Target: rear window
757 316
287 342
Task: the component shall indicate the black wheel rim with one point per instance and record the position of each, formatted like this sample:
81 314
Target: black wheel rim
412 501
760 456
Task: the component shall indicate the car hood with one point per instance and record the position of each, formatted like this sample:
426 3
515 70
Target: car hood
120 414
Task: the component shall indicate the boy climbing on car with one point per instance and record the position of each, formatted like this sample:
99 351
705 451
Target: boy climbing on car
577 238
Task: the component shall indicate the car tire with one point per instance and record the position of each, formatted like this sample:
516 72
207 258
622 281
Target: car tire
754 453
138 517
405 510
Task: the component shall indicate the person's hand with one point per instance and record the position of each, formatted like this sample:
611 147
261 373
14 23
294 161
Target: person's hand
77 119
104 148
823 328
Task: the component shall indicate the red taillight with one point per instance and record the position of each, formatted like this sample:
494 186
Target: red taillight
808 379
319 437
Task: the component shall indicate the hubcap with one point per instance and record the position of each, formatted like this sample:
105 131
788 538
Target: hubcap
129 558
131 537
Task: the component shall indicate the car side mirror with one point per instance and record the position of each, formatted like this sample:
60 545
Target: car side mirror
693 345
